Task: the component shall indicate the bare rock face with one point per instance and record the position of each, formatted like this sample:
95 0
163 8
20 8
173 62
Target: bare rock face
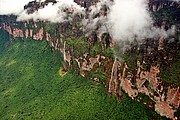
152 88
164 109
173 96
127 86
68 58
94 60
48 36
31 33
114 82
27 33
86 64
7 28
17 33
39 35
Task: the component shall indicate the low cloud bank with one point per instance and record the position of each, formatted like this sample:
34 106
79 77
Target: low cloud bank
55 13
124 20
130 18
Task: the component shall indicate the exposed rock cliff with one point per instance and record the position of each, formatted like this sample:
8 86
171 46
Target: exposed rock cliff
166 99
135 72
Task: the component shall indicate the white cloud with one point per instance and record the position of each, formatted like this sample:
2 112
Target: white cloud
130 18
52 12
12 6
126 18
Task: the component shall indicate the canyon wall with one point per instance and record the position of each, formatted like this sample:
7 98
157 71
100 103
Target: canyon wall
96 57
164 99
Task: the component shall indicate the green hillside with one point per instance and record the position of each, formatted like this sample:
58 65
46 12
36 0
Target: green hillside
31 88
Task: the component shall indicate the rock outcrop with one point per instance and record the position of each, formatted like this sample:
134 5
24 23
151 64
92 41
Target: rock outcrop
39 35
166 100
116 75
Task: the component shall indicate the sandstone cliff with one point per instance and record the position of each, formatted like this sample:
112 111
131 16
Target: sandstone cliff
95 56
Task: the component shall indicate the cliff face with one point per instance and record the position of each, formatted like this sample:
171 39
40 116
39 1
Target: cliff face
135 72
162 98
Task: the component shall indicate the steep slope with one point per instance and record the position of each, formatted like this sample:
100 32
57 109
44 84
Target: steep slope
146 69
31 88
